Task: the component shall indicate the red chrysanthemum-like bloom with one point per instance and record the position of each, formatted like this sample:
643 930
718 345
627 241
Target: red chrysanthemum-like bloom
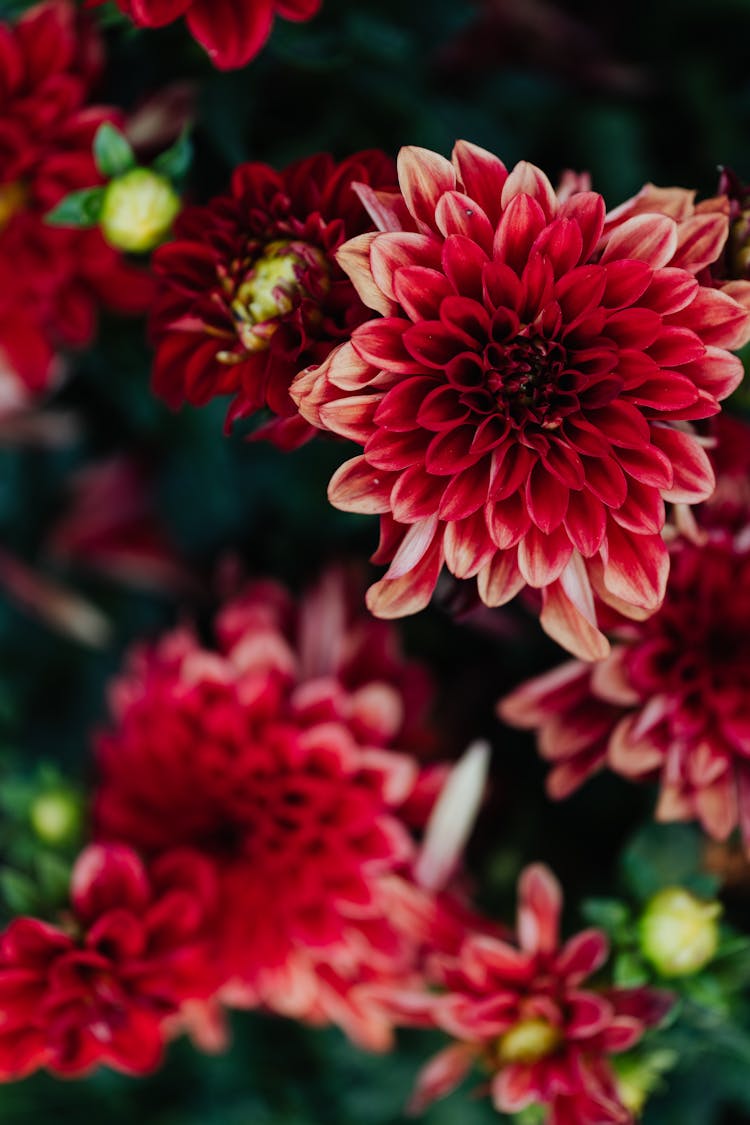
232 32
524 402
672 701
522 1010
52 280
273 756
98 988
251 292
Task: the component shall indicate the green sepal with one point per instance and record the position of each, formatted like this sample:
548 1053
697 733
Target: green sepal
175 163
79 209
112 152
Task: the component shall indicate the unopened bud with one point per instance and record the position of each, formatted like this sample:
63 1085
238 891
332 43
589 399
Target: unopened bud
138 210
679 932
56 816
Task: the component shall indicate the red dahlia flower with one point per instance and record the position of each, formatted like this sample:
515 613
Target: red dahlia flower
250 289
98 987
52 280
524 401
522 1010
672 701
272 756
231 32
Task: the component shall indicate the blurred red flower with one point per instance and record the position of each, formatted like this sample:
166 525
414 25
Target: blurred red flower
273 755
522 1010
250 289
99 987
52 280
524 401
232 32
672 701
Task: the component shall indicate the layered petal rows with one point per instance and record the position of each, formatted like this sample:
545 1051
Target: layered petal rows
524 401
523 1010
100 988
672 701
274 757
251 292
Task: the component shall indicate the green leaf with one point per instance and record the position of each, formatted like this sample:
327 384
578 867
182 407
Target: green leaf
609 914
175 162
79 209
112 151
663 855
629 971
53 874
18 891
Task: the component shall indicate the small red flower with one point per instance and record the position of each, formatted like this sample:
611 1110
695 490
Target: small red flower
52 280
272 755
522 1010
250 289
523 403
232 32
99 987
672 701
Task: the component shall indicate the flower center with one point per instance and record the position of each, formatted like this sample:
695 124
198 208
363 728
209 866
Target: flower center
523 375
528 1041
278 279
12 200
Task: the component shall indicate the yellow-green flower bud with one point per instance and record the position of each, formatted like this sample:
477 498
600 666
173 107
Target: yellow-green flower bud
56 816
679 932
138 210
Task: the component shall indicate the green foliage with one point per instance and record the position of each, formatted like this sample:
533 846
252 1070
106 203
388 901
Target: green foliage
112 152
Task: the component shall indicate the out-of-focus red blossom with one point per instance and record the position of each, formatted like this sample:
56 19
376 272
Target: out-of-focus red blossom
524 402
672 701
232 32
98 988
109 525
521 1010
251 292
52 280
273 755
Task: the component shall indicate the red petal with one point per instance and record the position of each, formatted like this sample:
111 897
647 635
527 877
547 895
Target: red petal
357 487
482 176
648 238
694 478
423 177
635 567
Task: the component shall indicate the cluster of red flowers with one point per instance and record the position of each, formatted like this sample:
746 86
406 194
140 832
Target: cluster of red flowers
52 280
672 700
527 377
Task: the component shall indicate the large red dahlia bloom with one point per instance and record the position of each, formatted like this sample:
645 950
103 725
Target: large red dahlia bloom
99 987
672 701
52 280
524 402
251 292
232 32
522 1010
272 756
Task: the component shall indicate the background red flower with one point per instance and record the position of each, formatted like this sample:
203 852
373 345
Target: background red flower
99 987
250 289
